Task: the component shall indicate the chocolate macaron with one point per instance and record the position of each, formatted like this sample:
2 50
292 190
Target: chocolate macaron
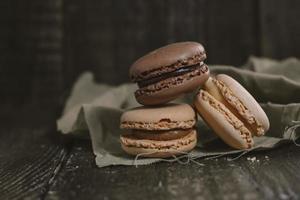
164 74
231 111
159 131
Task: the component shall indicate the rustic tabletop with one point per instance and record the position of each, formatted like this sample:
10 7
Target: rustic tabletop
46 44
37 163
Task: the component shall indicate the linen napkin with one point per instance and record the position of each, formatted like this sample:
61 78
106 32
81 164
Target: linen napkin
93 111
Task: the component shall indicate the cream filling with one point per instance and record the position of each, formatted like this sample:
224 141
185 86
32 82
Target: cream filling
239 107
157 134
232 119
171 82
154 144
161 125
169 68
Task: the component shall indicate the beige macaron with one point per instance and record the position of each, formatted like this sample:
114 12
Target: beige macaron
161 131
231 111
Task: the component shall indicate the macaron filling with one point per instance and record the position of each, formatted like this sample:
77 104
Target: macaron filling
157 134
136 74
164 124
173 81
183 70
159 145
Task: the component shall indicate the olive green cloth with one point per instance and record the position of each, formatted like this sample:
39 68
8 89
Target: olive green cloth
96 109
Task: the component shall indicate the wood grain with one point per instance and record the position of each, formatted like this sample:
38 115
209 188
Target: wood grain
280 29
231 31
272 175
46 44
29 162
31 53
108 36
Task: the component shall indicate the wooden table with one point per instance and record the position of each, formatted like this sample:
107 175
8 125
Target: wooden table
38 163
46 44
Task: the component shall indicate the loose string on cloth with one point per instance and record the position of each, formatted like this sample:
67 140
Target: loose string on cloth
179 159
291 130
191 159
239 155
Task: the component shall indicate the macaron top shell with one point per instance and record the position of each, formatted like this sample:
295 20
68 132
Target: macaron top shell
167 59
248 101
168 116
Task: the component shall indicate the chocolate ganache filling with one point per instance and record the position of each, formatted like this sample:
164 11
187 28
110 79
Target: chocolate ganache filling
177 72
157 135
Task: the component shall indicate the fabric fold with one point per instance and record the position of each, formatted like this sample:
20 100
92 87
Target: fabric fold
94 110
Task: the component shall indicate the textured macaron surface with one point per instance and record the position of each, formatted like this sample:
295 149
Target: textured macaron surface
167 59
231 129
231 111
244 103
168 116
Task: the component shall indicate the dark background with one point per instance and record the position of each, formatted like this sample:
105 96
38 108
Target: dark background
46 44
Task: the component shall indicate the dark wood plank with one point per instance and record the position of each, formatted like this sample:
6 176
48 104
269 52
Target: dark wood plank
280 29
31 56
277 177
31 151
108 36
270 175
74 40
186 21
45 45
231 31
30 160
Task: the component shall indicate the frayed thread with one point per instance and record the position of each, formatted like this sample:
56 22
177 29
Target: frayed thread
141 154
186 158
183 159
214 157
291 130
239 155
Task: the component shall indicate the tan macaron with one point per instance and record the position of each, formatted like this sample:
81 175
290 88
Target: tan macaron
161 131
231 111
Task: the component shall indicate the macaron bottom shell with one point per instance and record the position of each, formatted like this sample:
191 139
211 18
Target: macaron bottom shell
157 148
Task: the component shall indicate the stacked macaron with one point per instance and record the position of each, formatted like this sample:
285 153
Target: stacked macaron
163 129
159 131
168 72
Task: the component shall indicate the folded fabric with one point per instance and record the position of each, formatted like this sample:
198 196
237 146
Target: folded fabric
94 110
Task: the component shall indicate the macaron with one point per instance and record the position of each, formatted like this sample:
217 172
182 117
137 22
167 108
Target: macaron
161 131
165 73
231 111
